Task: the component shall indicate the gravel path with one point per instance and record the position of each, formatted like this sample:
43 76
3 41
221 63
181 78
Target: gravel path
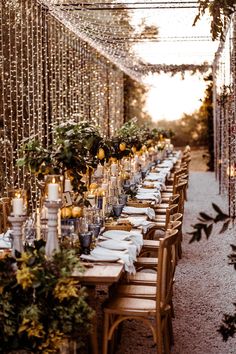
205 285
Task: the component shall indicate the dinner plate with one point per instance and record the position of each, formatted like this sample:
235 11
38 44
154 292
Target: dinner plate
120 234
107 258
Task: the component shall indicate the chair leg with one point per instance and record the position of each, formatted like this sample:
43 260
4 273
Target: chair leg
105 334
166 336
170 330
159 338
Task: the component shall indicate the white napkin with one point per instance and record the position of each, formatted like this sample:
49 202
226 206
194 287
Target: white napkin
124 256
132 210
154 176
157 184
5 239
119 235
120 246
149 196
148 190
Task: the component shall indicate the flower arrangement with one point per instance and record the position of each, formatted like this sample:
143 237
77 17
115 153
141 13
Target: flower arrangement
40 303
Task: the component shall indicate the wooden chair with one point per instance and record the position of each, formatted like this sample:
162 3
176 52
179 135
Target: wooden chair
4 213
180 189
146 260
162 207
119 309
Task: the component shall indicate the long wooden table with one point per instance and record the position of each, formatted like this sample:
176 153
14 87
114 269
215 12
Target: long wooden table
98 274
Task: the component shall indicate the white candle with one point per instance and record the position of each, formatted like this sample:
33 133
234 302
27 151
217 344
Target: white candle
113 168
113 181
18 206
99 170
38 226
68 186
53 191
91 199
126 165
105 186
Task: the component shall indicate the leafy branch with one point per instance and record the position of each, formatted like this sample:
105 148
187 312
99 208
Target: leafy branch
220 12
228 327
206 223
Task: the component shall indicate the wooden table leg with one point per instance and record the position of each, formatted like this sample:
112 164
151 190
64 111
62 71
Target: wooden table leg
91 291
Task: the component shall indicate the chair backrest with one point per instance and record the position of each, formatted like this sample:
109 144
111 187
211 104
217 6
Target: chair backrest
166 270
180 189
174 199
4 213
173 208
176 217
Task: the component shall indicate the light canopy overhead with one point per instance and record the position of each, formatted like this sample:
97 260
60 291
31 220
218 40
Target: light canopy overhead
141 37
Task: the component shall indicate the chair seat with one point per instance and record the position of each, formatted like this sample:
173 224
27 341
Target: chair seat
162 206
154 244
145 292
166 195
143 278
146 261
131 306
160 217
169 189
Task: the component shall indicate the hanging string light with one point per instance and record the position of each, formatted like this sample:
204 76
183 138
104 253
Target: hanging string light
225 120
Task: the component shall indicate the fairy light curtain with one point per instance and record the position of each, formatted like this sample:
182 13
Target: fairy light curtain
224 116
117 29
48 75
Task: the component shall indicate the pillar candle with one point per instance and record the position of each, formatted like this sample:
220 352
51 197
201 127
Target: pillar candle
99 170
91 199
53 191
126 165
18 206
68 186
104 186
113 181
113 168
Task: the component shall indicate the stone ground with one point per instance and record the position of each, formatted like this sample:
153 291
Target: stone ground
205 283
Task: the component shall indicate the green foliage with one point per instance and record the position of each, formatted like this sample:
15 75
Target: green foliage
40 303
220 12
228 327
206 222
206 114
74 150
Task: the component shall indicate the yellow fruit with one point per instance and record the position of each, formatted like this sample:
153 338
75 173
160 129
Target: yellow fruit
93 186
77 212
66 212
101 154
144 148
149 142
122 146
134 149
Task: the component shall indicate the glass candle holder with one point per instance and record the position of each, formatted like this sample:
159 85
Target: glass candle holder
53 187
18 201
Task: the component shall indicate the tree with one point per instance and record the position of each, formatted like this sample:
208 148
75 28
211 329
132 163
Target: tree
134 100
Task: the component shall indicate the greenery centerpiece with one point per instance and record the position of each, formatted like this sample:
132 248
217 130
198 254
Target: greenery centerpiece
40 303
74 152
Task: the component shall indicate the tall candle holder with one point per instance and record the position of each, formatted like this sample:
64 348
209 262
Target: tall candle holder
17 223
52 244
